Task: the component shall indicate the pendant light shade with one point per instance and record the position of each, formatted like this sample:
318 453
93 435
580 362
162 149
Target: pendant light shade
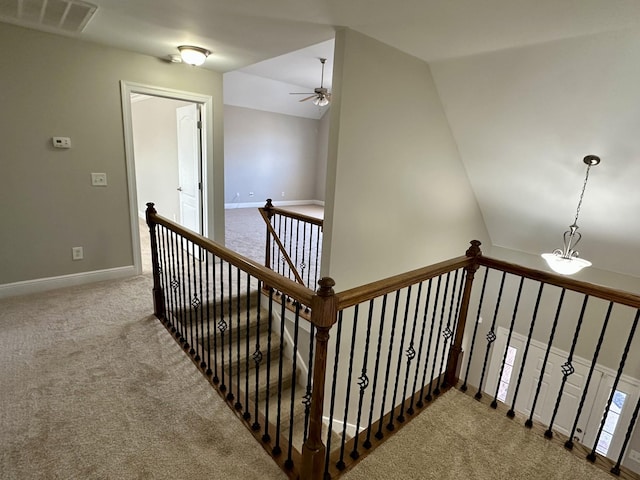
565 261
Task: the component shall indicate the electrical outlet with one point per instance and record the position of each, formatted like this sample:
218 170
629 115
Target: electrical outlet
251 194
282 195
99 179
77 253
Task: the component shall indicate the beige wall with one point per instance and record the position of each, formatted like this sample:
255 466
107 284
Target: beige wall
57 86
397 194
269 153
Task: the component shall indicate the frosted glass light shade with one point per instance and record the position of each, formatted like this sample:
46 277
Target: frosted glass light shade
193 55
321 101
564 265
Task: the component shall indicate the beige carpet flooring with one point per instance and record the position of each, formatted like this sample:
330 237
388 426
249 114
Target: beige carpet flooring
93 387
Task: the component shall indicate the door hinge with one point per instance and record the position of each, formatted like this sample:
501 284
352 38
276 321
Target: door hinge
199 185
199 124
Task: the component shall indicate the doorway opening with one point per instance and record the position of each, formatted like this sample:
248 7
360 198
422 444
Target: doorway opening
166 148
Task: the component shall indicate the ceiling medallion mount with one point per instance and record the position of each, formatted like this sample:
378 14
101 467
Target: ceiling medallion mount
565 261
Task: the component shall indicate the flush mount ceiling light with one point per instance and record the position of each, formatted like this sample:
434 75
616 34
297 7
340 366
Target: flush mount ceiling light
566 261
193 55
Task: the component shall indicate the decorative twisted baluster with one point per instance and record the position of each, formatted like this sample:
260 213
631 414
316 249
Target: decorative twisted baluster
475 330
511 413
363 381
494 403
491 337
390 426
569 443
623 360
529 422
367 442
425 314
567 368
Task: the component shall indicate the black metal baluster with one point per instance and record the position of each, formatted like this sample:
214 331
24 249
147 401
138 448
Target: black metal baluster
318 245
399 362
379 434
436 391
333 395
425 315
444 335
512 413
214 309
222 327
202 252
491 337
448 333
340 464
189 298
184 308
363 381
247 414
592 456
307 396
288 464
166 275
567 368
208 310
238 405
276 449
195 304
494 403
175 287
616 468
529 422
257 358
367 442
475 330
230 395
411 354
429 343
569 443
454 330
266 437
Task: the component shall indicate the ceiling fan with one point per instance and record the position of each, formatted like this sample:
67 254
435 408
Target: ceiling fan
321 97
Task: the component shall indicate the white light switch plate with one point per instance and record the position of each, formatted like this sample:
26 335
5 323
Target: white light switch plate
99 179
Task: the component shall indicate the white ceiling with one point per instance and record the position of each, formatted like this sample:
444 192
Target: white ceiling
529 88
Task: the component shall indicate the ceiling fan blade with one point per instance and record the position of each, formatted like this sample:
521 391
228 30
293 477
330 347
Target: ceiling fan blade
301 93
308 98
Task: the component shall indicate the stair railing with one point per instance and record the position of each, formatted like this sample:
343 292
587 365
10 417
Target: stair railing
293 244
379 353
545 348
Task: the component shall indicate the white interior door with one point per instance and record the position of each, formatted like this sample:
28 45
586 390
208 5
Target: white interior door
189 171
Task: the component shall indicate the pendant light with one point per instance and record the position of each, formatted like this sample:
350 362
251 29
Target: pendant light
565 261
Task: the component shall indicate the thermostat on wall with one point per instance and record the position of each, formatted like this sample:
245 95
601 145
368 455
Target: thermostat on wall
62 142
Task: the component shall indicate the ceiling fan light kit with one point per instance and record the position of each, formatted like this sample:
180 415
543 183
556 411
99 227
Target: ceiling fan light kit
321 96
565 261
193 55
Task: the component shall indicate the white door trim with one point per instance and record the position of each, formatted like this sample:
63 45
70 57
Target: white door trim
126 89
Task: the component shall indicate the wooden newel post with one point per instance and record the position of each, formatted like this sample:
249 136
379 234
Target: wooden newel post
451 375
323 316
158 293
268 208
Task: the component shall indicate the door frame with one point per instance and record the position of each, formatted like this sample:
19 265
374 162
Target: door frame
206 102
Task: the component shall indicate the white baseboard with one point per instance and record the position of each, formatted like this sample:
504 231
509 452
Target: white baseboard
276 203
50 283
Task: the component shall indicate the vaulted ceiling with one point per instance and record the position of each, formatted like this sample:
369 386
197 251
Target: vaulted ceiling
529 87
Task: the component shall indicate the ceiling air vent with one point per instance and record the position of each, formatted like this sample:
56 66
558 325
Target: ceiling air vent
69 16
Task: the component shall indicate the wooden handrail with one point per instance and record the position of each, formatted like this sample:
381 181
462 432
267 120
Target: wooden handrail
296 216
605 293
283 251
354 296
297 292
